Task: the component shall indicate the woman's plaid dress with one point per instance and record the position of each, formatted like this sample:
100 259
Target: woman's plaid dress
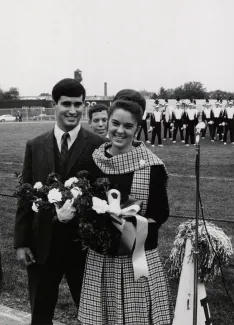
110 295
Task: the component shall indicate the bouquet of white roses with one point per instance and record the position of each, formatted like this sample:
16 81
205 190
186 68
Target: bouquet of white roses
53 194
94 230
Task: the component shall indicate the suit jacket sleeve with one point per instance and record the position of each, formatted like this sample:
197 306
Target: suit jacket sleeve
24 214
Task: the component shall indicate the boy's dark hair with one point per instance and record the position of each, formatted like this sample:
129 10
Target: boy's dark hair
97 108
130 106
68 87
133 96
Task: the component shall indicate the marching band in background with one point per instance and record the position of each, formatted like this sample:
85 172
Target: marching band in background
218 118
177 121
155 124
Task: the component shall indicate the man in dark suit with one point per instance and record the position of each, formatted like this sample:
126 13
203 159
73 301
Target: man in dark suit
48 248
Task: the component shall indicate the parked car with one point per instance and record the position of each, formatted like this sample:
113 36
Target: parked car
43 117
7 118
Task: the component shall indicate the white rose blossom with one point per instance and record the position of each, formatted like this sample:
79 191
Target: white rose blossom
100 206
54 196
38 185
76 191
70 181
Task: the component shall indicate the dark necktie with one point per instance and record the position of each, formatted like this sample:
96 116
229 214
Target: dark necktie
64 145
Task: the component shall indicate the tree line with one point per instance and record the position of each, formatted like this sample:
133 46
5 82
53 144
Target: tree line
11 93
191 89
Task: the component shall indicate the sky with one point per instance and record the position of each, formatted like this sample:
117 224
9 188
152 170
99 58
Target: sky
139 44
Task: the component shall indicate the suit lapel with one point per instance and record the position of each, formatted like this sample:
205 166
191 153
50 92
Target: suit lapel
80 143
49 150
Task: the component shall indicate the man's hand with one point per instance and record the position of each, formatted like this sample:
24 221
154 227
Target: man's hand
66 212
150 129
25 256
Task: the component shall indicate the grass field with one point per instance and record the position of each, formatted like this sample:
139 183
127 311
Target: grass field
217 192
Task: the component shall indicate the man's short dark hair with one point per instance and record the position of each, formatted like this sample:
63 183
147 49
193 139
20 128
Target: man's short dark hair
68 87
133 96
130 106
97 108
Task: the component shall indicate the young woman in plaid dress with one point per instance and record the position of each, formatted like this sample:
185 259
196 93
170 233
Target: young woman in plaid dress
110 294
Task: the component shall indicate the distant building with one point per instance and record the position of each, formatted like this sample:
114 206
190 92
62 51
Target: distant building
78 75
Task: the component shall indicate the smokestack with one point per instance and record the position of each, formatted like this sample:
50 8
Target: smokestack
105 89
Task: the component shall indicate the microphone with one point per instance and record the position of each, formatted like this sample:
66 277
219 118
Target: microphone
200 127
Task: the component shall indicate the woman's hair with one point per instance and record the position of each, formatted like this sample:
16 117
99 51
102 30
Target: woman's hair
129 106
132 96
68 87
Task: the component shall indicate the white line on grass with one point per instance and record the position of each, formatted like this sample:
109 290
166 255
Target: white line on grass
204 177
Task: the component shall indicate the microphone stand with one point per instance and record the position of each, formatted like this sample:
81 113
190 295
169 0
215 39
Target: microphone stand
195 253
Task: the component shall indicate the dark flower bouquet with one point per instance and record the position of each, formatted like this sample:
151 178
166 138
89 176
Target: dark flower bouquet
93 222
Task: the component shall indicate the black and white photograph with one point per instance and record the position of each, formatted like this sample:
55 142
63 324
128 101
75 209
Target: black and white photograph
117 162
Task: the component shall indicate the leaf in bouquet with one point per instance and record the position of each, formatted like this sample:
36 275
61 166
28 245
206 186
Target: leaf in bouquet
26 193
101 184
54 185
53 178
83 174
42 193
66 195
84 184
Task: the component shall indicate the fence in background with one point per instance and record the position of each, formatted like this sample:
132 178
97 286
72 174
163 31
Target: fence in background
33 114
40 113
